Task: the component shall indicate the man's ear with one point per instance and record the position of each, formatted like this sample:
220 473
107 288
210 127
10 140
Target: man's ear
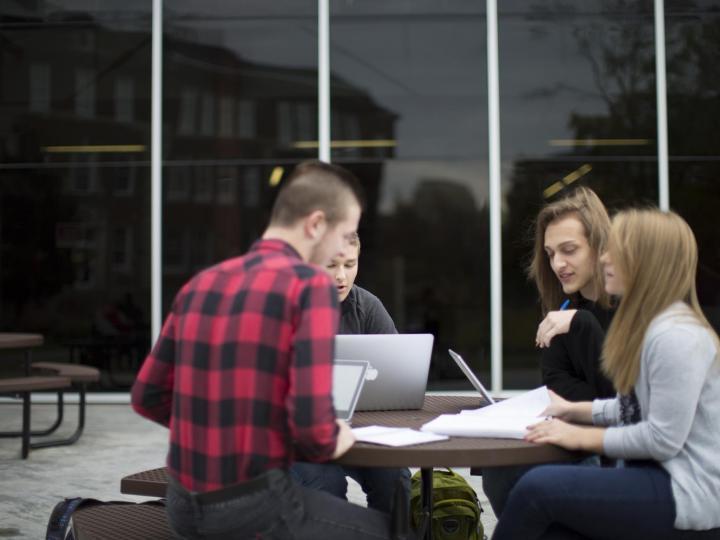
315 225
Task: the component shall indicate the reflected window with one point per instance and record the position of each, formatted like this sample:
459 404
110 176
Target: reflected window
124 100
85 92
39 88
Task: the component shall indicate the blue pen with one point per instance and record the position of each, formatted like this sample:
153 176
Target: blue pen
565 304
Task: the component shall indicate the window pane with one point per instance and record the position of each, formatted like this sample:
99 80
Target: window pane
409 102
74 181
693 53
577 105
240 95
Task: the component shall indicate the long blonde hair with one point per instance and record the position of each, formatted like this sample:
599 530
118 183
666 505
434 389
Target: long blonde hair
655 255
587 207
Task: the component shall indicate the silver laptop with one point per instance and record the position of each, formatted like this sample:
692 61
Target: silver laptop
348 380
398 371
471 376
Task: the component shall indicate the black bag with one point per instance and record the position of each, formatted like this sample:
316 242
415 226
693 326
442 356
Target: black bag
456 509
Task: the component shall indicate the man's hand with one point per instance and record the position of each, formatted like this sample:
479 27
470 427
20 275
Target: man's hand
554 323
345 439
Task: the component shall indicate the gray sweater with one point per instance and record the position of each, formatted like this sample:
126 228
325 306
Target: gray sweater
678 390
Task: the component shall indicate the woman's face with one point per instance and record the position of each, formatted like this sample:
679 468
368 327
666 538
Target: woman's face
570 256
613 280
343 269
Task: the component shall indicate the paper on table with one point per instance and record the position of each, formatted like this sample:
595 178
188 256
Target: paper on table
507 419
392 436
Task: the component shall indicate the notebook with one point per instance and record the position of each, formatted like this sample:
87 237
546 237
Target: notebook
348 380
398 371
471 376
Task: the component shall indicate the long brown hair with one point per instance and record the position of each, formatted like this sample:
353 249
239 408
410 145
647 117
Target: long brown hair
655 255
587 207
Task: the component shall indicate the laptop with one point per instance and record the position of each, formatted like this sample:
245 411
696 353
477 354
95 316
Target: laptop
348 380
471 376
398 371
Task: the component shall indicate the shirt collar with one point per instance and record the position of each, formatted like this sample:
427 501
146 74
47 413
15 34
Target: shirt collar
275 244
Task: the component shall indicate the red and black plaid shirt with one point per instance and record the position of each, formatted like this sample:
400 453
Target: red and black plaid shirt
242 370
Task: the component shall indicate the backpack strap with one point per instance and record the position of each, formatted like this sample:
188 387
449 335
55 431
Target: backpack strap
60 518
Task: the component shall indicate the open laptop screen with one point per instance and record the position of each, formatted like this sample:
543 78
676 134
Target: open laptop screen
471 376
348 380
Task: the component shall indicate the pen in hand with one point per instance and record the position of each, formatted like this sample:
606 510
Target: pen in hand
565 305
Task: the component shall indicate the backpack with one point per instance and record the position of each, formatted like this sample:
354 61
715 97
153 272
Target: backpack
456 509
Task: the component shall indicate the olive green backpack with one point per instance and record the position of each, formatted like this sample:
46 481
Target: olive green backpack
456 509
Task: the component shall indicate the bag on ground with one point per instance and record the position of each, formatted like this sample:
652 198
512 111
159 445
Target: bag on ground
455 507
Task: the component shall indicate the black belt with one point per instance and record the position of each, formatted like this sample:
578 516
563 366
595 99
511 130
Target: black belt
227 493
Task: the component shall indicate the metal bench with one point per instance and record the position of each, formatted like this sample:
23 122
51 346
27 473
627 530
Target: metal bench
23 387
80 376
128 521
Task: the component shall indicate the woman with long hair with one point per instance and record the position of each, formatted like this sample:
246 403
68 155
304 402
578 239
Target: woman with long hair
570 236
662 427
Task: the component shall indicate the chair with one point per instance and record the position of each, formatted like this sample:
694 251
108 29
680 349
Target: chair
24 386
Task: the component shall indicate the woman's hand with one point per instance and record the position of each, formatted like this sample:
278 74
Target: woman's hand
559 408
554 323
557 432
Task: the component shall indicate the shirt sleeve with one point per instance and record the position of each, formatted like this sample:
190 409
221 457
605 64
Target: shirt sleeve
151 394
311 415
571 364
676 363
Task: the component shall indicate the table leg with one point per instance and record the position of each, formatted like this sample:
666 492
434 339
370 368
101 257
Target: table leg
427 500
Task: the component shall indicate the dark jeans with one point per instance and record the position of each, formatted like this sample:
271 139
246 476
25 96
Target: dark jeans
576 502
378 483
278 509
499 481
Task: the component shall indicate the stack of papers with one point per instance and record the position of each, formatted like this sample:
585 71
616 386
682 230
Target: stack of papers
506 419
392 436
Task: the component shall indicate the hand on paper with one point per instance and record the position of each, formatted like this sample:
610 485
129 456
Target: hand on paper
555 431
345 439
554 323
559 407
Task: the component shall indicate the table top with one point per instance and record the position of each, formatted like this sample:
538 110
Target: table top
454 452
12 340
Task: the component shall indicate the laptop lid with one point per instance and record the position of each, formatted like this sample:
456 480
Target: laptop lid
470 375
398 371
348 380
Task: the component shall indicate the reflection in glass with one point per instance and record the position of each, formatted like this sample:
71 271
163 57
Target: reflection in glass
409 118
693 53
74 182
577 106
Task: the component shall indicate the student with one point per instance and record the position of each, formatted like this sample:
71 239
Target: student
570 235
242 376
361 313
662 356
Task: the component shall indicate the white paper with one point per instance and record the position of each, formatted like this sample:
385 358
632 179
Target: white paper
506 419
391 436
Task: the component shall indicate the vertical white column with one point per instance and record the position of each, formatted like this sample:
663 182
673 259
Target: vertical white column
323 81
661 99
156 172
495 199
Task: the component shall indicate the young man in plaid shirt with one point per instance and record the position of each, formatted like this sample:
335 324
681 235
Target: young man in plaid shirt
242 376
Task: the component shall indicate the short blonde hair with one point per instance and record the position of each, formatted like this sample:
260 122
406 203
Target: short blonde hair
655 254
587 207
